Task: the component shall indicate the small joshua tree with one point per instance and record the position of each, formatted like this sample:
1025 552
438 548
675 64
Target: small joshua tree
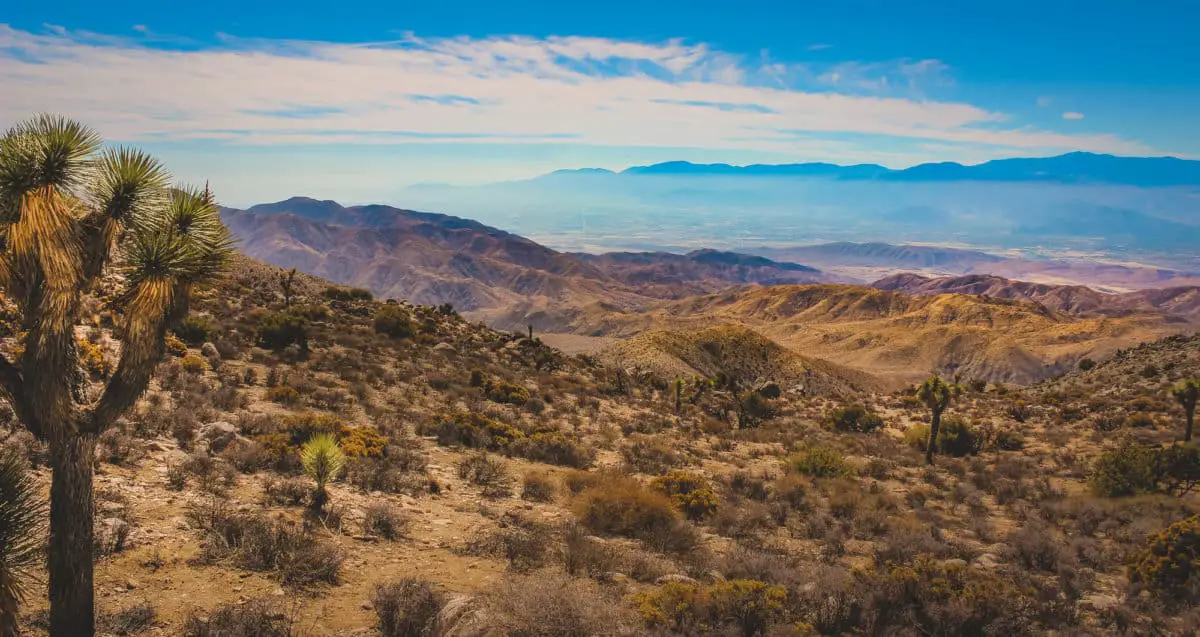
1186 393
287 282
71 213
323 461
937 395
21 539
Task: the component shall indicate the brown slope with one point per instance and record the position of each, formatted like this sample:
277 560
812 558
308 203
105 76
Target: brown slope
504 279
739 353
1182 302
901 336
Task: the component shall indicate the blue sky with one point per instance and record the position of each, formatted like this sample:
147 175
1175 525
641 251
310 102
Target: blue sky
355 100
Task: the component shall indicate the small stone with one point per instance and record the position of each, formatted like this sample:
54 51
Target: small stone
130 584
278 592
366 606
674 577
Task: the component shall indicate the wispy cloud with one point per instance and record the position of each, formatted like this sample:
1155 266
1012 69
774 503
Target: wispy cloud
559 89
820 46
1072 115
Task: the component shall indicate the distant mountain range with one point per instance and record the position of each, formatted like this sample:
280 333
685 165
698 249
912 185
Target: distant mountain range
507 279
1069 168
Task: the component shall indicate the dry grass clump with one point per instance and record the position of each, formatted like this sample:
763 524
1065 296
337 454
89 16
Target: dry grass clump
555 605
624 507
256 618
407 608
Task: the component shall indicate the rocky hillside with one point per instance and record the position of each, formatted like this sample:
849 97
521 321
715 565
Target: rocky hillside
901 336
488 273
495 486
1181 302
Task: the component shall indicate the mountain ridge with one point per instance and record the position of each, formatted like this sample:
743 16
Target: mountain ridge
1076 167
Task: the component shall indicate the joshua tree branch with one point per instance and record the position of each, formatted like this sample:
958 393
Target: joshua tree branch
12 385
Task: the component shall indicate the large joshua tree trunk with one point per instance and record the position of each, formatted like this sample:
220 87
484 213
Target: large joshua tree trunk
71 531
934 424
1190 415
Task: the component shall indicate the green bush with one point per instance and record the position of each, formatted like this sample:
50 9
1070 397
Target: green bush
691 492
855 418
955 437
194 330
749 606
277 331
393 321
338 293
1169 565
553 447
473 430
819 461
505 393
1128 469
1086 364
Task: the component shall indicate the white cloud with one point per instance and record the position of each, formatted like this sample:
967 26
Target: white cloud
1072 115
559 89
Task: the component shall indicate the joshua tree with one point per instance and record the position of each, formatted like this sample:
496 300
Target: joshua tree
287 281
1186 393
71 213
678 395
323 460
937 395
21 526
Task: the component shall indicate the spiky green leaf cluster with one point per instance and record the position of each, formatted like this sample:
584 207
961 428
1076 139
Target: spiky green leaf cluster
322 458
22 515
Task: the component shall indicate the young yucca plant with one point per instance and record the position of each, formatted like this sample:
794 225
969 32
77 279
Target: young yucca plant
323 461
22 540
71 212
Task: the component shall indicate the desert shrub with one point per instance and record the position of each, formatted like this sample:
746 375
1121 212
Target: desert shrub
473 430
175 347
537 486
193 364
505 393
256 618
407 608
926 598
1140 421
1086 364
118 447
277 331
477 378
194 329
624 507
91 357
1035 546
1008 440
521 540
133 620
1177 468
651 455
385 521
751 607
1169 564
362 442
955 437
393 321
256 543
819 461
283 395
286 491
1128 469
338 293
399 470
855 418
754 408
579 481
555 605
692 493
553 447
488 472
